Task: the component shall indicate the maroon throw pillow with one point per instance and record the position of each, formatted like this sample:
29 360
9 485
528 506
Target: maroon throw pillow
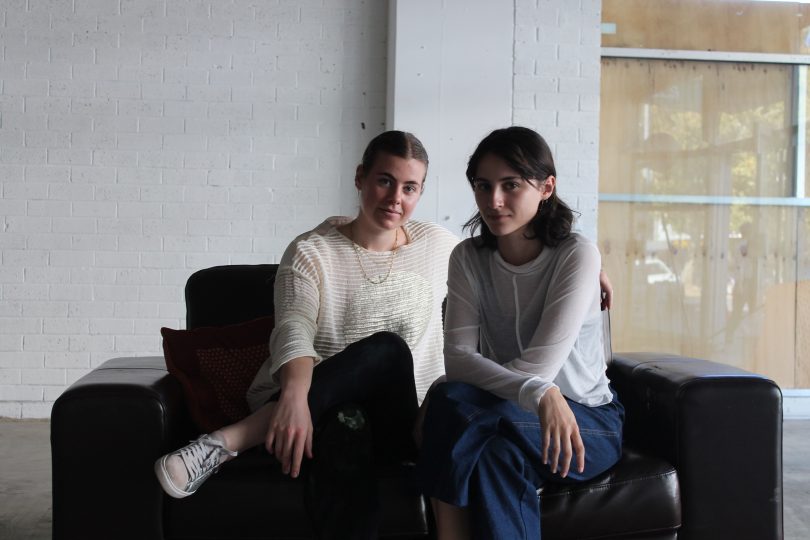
215 365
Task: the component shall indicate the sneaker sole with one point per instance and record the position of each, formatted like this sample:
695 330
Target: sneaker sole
166 483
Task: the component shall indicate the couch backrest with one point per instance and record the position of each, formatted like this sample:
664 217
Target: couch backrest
229 294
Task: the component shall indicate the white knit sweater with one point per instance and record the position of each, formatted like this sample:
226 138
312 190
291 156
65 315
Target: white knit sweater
518 330
323 302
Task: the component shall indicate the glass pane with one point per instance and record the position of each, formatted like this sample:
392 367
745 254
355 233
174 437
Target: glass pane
802 75
709 281
803 302
696 128
707 25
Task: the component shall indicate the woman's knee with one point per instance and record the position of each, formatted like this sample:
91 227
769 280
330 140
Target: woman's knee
390 348
385 342
388 340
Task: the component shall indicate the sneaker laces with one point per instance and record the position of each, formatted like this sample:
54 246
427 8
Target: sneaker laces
203 456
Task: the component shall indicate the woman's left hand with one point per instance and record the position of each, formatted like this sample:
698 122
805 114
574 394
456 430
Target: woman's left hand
606 291
560 433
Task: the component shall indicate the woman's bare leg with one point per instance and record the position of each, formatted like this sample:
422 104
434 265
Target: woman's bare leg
246 433
452 522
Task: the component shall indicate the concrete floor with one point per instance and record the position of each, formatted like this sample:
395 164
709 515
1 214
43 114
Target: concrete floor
796 478
25 480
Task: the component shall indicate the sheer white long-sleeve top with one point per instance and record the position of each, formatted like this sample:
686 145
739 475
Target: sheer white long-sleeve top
517 330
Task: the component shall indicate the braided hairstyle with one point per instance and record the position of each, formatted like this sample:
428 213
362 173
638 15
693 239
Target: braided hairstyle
396 143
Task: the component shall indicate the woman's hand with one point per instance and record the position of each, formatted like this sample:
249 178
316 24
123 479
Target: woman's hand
560 433
289 434
607 290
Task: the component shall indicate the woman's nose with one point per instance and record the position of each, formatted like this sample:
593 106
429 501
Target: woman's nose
495 198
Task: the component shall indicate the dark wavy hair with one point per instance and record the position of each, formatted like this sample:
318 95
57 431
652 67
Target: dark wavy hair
396 143
525 151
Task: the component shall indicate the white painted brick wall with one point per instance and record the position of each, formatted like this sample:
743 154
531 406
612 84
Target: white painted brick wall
556 92
143 140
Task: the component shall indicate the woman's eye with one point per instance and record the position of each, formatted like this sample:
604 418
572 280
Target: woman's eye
511 186
383 181
481 187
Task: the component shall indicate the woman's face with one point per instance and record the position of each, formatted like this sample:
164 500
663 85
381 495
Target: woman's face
507 202
389 191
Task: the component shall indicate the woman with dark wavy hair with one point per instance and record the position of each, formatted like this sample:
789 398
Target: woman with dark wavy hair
527 400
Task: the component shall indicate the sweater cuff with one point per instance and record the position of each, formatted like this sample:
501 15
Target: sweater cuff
531 392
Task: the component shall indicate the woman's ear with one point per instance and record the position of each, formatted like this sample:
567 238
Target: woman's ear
358 176
549 185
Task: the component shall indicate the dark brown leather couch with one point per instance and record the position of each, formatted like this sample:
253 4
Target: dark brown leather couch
702 459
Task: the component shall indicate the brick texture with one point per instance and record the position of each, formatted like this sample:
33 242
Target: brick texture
141 141
556 92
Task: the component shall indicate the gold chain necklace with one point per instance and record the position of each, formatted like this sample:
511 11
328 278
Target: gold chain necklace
360 259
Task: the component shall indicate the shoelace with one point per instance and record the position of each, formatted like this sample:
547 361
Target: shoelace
203 456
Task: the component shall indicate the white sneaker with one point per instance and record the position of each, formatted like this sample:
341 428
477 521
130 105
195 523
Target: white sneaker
200 460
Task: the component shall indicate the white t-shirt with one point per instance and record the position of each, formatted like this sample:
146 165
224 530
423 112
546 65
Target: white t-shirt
538 324
323 302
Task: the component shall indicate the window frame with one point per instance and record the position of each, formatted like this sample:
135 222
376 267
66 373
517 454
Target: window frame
800 65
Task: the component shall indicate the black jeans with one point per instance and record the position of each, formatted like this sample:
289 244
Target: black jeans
375 373
371 380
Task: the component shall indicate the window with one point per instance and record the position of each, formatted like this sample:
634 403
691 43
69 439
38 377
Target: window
704 223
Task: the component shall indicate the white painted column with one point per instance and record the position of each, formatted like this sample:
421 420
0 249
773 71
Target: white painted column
450 69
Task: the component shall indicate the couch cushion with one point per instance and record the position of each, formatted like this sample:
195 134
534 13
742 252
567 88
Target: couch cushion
252 499
639 495
637 498
215 366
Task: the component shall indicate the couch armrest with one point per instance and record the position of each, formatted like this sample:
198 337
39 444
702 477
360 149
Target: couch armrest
107 429
722 429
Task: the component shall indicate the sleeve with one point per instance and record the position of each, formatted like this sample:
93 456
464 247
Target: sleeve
570 299
297 302
462 360
527 378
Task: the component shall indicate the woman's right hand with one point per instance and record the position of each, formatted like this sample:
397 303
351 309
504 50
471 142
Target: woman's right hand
289 435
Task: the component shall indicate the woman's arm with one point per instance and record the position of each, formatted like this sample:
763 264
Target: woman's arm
297 302
462 360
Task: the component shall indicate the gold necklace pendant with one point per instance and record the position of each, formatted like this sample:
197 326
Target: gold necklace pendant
381 279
